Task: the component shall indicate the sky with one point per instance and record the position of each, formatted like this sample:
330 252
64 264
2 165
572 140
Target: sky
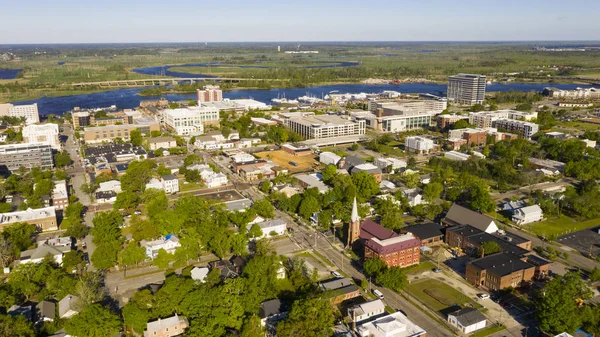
122 21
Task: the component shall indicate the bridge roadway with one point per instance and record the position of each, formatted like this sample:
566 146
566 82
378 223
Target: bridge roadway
172 80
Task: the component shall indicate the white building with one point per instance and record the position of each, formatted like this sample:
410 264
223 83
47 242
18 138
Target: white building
394 163
361 312
248 142
60 195
42 133
454 155
578 93
467 88
43 218
169 243
155 183
392 325
486 119
29 112
589 143
38 254
467 320
111 185
68 306
329 158
162 143
418 144
191 120
525 129
210 178
270 228
311 126
527 215
395 120
199 273
170 183
243 157
414 197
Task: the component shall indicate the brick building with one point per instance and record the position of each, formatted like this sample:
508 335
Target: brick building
499 271
473 137
393 249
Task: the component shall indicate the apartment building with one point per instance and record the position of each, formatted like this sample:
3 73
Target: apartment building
162 143
191 120
167 327
485 119
99 134
13 156
467 88
424 105
42 133
28 111
43 218
60 195
472 137
446 121
392 120
210 93
525 129
418 144
311 126
578 93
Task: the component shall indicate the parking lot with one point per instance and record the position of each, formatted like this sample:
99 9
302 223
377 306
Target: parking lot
583 241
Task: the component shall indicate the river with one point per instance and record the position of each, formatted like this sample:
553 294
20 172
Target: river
9 74
127 98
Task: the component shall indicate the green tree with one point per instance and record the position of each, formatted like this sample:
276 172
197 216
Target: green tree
71 260
489 248
138 174
5 207
411 180
411 163
329 173
264 208
162 259
255 231
374 266
21 235
366 185
595 274
461 124
126 200
93 321
135 317
432 191
308 318
135 137
252 327
62 159
308 206
325 218
132 254
17 326
266 186
192 159
162 170
392 278
77 230
556 304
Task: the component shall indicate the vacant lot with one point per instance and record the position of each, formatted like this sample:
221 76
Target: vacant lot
305 163
439 296
563 225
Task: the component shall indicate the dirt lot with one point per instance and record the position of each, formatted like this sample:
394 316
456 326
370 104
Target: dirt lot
305 163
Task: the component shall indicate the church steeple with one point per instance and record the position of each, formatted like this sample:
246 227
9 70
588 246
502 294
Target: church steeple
354 227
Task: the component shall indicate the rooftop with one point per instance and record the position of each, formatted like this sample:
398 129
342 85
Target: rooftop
425 231
459 215
27 215
370 229
501 264
161 139
398 243
165 323
393 325
468 316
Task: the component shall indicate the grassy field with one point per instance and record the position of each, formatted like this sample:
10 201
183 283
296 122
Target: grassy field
488 331
560 226
283 159
439 296
419 268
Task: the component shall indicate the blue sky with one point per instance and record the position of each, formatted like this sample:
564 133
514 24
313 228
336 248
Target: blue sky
81 21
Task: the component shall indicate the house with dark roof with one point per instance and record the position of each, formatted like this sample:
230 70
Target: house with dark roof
347 163
340 290
467 320
22 310
393 249
499 271
238 263
468 239
459 215
429 233
226 268
542 266
45 311
271 311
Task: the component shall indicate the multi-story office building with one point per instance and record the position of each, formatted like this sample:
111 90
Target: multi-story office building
99 134
466 88
524 129
485 119
311 126
43 218
446 121
421 105
14 156
418 144
395 120
190 120
29 112
472 137
211 93
44 133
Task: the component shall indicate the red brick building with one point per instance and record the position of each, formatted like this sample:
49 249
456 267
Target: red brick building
393 249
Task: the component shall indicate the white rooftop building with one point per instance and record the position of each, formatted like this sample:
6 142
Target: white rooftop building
418 144
454 155
111 185
272 228
527 215
393 325
42 133
394 163
191 120
329 158
29 112
363 311
199 273
169 243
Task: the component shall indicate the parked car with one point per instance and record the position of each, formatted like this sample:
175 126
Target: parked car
483 296
83 245
336 274
378 293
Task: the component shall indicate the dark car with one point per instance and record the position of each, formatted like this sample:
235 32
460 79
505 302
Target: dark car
86 258
293 163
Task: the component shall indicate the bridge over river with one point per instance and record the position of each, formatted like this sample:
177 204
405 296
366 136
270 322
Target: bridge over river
162 81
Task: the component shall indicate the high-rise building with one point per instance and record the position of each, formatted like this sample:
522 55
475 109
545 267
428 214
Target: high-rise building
42 133
29 112
466 88
211 93
190 120
14 156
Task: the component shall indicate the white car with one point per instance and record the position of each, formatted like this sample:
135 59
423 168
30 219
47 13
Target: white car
483 296
378 293
336 274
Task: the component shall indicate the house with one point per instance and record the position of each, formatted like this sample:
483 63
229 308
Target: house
349 162
104 197
467 320
60 195
499 271
527 215
38 254
167 327
199 273
248 142
311 181
414 197
56 242
425 179
512 206
429 233
21 310
111 185
170 184
458 215
386 186
45 311
363 311
169 243
386 164
340 290
368 168
68 306
270 228
289 191
238 262
392 325
226 268
162 143
329 158
271 311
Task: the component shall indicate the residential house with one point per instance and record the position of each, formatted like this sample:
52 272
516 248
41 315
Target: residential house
45 311
38 254
467 320
367 310
69 306
155 183
425 179
238 262
104 197
311 180
162 143
21 310
199 273
226 268
340 290
170 183
368 168
169 243
527 215
459 215
329 158
414 197
392 325
271 311
387 164
111 185
60 195
167 327
271 228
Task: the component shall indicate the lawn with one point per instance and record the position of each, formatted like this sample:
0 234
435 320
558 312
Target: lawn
188 187
419 268
438 295
488 330
560 226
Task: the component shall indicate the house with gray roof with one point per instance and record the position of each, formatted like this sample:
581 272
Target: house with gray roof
467 320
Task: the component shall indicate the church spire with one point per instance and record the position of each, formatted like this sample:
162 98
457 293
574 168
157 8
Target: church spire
354 227
354 217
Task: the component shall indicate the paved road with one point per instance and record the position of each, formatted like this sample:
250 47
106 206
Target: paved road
525 190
